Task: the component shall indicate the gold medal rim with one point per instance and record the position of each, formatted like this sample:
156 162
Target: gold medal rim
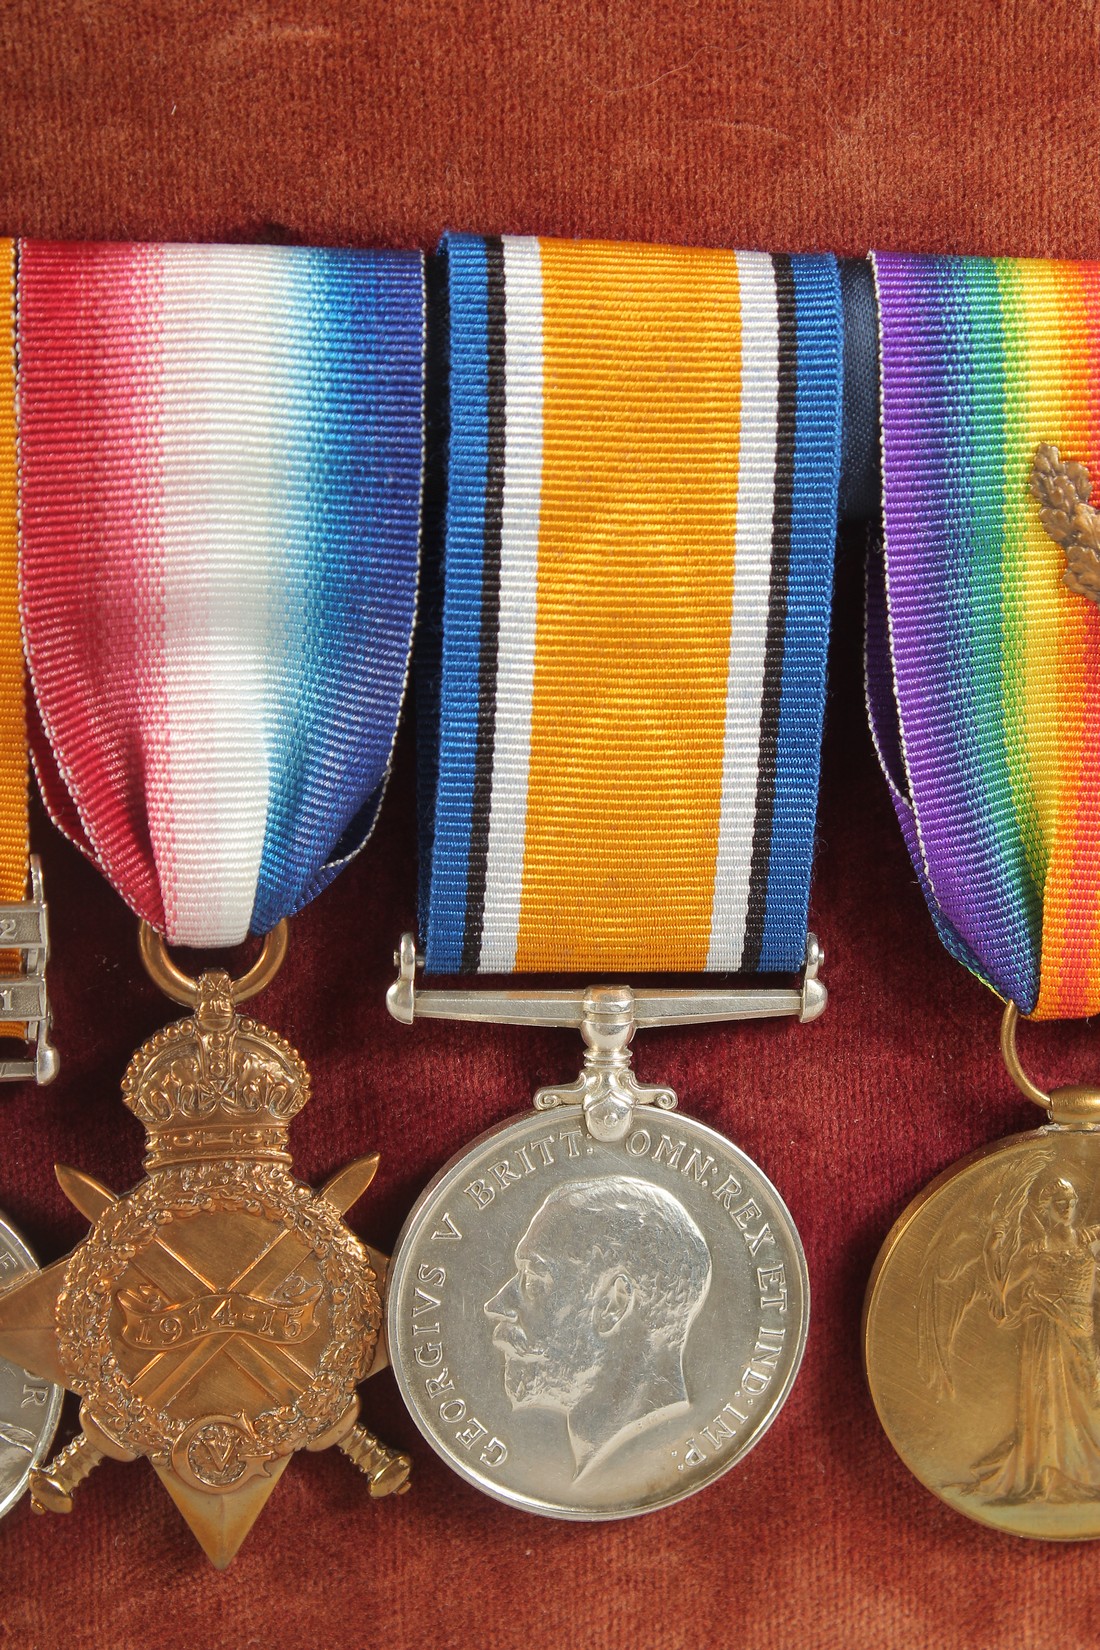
888 1249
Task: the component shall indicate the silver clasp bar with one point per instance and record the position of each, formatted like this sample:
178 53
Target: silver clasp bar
24 927
607 1017
407 1002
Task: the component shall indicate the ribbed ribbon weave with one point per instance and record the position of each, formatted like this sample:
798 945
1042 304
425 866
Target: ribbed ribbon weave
621 731
13 717
220 470
984 668
14 766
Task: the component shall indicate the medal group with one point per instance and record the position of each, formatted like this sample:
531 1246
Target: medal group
602 484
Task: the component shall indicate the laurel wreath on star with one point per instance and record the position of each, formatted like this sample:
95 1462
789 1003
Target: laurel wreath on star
132 1224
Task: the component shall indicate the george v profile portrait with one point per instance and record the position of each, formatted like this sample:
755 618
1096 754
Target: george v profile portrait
609 1277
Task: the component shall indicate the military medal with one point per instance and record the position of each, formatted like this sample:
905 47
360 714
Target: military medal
980 1326
220 454
601 1305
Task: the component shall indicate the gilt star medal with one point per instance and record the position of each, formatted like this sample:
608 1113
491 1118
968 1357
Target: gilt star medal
216 1318
220 470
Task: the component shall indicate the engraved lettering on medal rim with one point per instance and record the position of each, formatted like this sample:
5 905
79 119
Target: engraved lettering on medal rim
482 1191
772 1284
743 1210
756 1379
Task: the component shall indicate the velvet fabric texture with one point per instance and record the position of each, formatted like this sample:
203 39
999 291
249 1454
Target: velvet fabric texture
915 124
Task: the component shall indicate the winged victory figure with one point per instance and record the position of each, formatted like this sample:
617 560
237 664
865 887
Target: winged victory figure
1023 1256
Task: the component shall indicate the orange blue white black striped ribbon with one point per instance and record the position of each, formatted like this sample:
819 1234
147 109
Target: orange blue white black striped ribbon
623 721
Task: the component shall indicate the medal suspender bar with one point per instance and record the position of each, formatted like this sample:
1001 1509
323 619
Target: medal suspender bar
980 1333
599 1308
220 472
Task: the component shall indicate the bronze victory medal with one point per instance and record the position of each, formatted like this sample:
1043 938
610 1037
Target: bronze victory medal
980 1335
218 1317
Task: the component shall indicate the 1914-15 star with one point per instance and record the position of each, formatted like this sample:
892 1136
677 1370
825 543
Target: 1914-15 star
219 1316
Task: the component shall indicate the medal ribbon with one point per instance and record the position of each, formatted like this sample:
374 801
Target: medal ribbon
14 822
984 669
623 723
14 828
220 468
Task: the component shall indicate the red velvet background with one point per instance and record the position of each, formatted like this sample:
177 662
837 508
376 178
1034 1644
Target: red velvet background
899 123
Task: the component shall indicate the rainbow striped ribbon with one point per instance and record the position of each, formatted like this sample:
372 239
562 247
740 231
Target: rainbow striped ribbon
220 467
623 709
984 668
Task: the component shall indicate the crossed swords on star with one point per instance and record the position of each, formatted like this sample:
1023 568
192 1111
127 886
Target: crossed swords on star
273 1368
28 1332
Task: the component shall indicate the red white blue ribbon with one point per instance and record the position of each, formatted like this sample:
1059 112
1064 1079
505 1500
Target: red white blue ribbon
220 453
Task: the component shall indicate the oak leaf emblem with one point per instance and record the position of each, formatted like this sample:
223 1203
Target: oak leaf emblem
1062 488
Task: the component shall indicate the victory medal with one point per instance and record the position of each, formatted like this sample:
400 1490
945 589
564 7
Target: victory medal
980 1327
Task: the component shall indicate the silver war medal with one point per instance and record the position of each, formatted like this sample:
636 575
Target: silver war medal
601 1305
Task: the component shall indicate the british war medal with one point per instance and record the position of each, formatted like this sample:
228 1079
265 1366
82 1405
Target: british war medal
602 1304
